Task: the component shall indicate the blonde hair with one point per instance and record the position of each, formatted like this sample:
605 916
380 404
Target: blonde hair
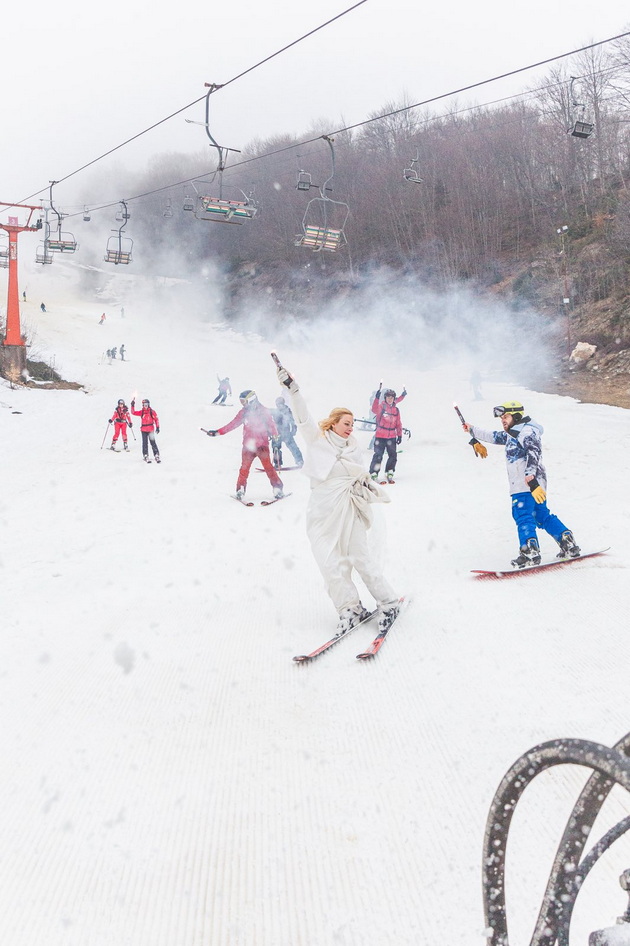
334 417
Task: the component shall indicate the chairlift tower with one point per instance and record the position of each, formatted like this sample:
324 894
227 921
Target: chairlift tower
13 344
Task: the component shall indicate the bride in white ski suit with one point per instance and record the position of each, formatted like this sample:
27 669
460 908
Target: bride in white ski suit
339 511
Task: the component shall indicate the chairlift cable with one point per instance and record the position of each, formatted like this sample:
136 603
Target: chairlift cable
200 99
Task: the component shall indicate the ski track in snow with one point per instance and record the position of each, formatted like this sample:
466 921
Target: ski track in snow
170 776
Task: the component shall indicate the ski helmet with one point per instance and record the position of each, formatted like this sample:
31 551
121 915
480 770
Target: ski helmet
247 397
145 400
388 392
515 408
121 401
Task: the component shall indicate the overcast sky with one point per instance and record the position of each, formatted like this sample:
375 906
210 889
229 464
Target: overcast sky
81 78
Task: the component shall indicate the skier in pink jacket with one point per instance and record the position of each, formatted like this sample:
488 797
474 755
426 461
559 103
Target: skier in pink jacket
388 432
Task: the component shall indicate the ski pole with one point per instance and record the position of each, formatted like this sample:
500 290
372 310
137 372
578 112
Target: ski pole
105 437
132 433
480 450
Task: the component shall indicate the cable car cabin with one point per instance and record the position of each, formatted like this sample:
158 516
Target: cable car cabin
226 211
321 238
118 250
64 243
43 255
582 129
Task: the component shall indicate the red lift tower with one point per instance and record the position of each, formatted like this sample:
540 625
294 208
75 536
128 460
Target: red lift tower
12 346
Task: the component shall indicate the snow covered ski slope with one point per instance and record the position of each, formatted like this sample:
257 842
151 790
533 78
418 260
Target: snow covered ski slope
170 776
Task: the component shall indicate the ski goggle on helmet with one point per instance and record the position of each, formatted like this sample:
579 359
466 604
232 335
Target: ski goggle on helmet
509 407
246 397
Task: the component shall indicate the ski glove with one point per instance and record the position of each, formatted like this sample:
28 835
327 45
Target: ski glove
111 421
157 430
130 424
212 433
287 380
398 439
537 491
480 450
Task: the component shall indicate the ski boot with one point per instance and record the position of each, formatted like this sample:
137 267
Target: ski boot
374 476
157 458
113 446
350 617
277 492
240 492
529 554
390 477
126 447
387 617
568 546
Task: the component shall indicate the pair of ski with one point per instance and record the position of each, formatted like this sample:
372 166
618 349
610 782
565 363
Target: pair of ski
265 502
370 651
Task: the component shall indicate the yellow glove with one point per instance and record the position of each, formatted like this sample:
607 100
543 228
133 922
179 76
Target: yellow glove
479 448
537 491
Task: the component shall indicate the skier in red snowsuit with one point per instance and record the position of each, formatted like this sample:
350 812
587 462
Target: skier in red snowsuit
150 426
258 427
121 420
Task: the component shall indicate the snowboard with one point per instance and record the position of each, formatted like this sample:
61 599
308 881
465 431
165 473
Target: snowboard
512 570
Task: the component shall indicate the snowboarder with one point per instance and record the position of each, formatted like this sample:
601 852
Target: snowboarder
287 429
388 432
527 478
339 512
224 389
149 426
121 420
258 428
122 352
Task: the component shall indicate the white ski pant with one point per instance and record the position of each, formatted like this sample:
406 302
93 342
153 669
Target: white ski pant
337 571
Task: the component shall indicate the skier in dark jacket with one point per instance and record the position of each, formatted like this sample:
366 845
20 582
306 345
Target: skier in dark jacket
258 428
287 428
388 432
521 437
121 420
149 426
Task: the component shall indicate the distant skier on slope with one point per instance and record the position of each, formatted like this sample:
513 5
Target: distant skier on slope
258 428
388 432
527 478
225 388
339 512
149 426
121 420
287 428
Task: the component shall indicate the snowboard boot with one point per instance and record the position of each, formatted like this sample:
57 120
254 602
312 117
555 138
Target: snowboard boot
387 617
350 617
568 546
529 554
240 492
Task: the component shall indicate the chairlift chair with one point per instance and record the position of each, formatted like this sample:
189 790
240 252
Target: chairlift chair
220 210
324 218
62 243
304 182
4 256
42 253
189 203
86 215
119 249
411 174
582 129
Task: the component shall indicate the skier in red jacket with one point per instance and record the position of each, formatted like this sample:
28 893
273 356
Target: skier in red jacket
121 420
150 426
258 427
388 432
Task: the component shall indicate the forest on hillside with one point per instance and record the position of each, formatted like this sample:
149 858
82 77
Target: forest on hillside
503 196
